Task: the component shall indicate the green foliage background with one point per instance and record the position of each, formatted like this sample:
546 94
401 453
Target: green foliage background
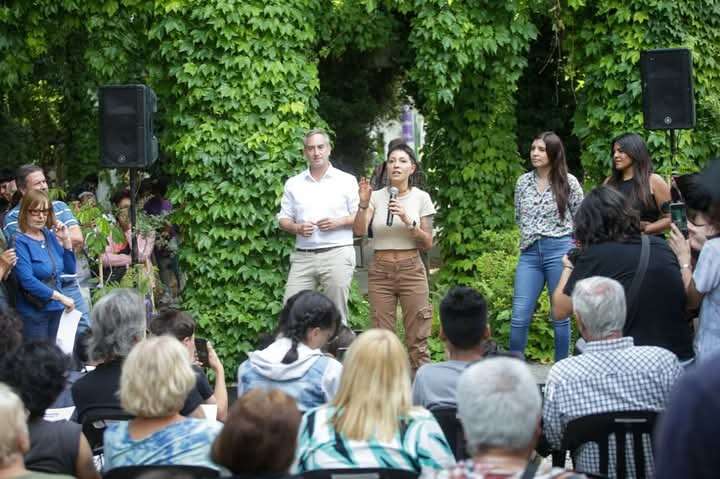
239 82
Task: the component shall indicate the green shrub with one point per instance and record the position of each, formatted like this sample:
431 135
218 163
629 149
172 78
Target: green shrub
493 274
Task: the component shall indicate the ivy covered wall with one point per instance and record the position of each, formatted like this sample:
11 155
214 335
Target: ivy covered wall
239 82
603 40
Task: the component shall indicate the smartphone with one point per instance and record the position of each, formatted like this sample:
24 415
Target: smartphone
202 352
678 213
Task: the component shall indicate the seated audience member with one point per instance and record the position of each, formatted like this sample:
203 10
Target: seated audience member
15 440
372 419
702 283
181 326
611 375
258 439
465 331
608 234
686 438
156 378
118 323
118 256
500 407
295 362
10 332
37 373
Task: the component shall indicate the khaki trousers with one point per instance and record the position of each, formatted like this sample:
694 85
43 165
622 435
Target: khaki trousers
405 281
330 272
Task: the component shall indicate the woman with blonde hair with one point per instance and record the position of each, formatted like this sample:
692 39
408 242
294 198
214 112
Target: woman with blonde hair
371 422
156 378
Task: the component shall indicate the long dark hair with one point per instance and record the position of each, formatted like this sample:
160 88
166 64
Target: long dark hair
309 309
634 146
603 216
558 169
379 178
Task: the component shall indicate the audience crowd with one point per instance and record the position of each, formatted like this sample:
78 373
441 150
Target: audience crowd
314 397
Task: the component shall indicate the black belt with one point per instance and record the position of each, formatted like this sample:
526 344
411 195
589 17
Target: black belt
321 250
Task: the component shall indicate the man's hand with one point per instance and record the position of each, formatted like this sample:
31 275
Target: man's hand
305 229
328 224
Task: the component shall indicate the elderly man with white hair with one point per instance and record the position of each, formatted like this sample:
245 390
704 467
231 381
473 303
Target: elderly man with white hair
15 439
611 375
499 405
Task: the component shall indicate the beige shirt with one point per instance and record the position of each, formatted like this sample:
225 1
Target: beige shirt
417 204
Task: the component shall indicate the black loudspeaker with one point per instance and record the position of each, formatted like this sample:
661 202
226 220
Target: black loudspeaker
126 126
667 86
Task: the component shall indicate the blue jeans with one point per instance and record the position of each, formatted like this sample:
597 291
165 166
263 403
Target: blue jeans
539 264
41 325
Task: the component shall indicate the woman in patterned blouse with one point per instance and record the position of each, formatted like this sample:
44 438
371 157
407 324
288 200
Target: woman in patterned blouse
546 200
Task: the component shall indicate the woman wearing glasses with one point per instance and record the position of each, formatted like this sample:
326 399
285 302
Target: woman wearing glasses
44 252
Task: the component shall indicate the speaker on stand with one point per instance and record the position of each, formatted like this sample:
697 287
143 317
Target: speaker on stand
667 88
127 139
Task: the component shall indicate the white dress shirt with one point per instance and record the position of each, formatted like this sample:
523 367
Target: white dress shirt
306 199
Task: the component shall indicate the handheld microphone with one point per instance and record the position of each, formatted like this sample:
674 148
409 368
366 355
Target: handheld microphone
393 196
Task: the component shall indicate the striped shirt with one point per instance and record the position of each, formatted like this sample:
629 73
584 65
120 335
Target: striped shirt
62 213
419 445
610 376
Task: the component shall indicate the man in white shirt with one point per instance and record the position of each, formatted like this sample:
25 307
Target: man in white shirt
318 207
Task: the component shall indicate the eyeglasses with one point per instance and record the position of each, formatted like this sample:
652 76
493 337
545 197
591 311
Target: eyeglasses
38 212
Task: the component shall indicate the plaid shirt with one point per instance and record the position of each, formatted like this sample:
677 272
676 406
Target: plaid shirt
611 375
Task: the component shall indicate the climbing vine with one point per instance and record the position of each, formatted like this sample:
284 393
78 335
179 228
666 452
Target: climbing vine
603 40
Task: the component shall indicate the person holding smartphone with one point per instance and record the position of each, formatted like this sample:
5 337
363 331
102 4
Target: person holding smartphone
546 200
182 326
702 282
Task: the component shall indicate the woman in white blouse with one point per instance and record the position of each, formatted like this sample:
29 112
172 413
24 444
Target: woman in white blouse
402 227
546 200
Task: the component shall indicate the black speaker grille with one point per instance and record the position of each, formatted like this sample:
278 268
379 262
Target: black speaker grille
667 84
126 126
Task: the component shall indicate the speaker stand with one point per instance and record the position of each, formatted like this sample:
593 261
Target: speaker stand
672 136
133 214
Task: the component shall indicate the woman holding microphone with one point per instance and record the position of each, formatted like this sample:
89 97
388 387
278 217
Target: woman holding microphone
401 217
546 200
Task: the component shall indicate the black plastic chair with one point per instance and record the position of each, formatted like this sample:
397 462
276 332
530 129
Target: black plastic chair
599 428
138 472
360 473
453 430
95 420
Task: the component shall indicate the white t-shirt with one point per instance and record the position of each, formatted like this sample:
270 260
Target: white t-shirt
707 282
417 204
308 200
